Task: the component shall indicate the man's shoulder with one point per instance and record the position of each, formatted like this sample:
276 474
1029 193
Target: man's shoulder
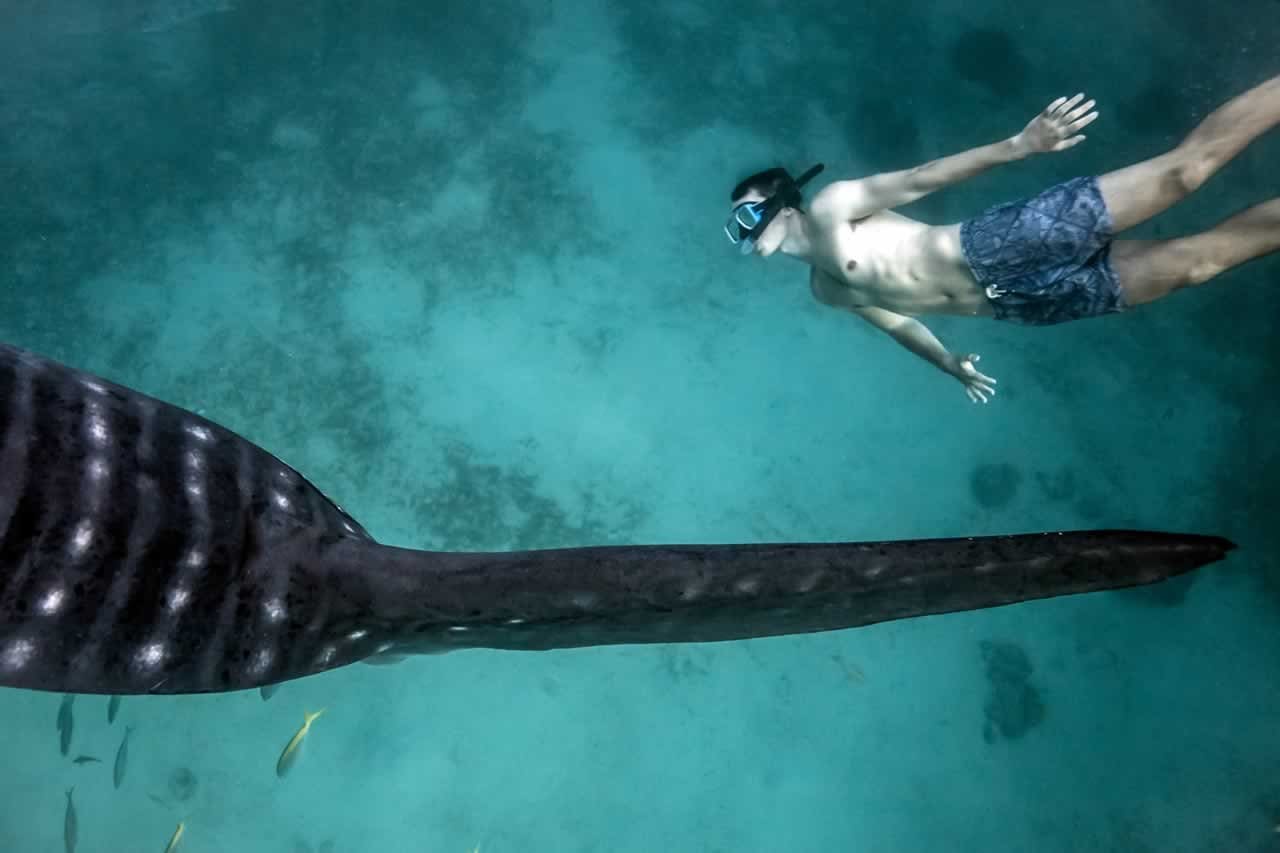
829 217
828 207
837 199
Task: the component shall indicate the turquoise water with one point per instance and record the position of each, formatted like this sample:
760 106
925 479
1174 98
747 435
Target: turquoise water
461 264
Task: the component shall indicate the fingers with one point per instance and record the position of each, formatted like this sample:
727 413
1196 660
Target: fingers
1068 143
979 393
978 386
1071 110
1081 123
1080 110
1062 104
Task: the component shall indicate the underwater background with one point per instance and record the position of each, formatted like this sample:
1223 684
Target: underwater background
461 264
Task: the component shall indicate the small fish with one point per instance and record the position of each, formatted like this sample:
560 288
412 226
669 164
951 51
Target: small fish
268 690
113 708
64 711
122 758
86 759
70 830
290 755
66 723
175 838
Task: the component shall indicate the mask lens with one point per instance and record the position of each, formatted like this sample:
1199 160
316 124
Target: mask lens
748 215
744 218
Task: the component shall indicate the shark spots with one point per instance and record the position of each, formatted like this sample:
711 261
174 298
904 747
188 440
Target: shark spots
18 653
177 599
81 538
52 600
262 660
96 424
274 610
150 656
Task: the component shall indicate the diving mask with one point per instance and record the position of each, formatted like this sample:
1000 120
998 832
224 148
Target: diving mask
749 219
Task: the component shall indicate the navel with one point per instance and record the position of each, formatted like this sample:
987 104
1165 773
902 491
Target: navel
851 266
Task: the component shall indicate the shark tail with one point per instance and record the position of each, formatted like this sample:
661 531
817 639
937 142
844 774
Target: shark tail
562 598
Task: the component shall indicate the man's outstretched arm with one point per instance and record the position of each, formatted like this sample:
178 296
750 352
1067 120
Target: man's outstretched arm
1056 128
916 337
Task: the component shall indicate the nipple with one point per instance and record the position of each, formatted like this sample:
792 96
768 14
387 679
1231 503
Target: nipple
850 266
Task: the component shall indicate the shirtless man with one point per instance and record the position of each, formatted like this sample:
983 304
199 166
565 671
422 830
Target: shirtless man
1047 259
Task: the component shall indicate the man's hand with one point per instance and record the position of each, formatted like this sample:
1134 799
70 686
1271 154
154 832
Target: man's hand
1057 128
978 386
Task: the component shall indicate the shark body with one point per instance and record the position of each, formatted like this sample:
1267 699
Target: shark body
145 549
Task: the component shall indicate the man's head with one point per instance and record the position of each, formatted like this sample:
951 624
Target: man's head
757 202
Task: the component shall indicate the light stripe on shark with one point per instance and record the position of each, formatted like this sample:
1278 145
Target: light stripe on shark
144 549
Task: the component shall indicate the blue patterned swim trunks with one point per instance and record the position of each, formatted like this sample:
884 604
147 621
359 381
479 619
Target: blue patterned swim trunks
1046 259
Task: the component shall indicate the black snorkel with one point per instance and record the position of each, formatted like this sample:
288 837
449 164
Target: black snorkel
787 195
809 175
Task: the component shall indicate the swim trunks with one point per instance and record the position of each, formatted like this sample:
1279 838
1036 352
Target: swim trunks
1046 259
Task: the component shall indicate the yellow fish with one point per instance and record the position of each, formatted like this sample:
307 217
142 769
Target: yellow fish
177 836
291 750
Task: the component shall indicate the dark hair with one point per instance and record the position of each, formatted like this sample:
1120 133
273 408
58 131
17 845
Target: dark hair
766 183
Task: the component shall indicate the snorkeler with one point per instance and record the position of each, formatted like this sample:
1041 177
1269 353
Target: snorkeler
1046 259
